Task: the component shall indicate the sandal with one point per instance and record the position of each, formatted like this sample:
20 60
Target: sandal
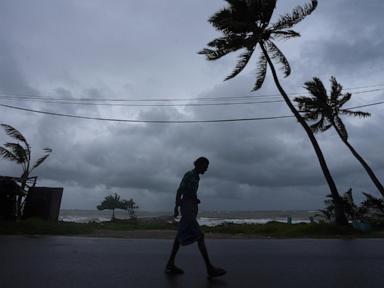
173 269
216 272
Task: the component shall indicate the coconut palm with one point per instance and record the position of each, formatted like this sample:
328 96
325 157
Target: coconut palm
245 25
326 110
20 153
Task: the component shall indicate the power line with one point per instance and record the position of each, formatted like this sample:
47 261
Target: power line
65 102
148 105
146 121
166 121
38 97
367 105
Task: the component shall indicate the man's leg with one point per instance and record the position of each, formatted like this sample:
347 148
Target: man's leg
171 268
204 252
175 248
211 270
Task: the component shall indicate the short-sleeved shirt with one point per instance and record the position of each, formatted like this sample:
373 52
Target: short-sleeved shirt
188 230
189 185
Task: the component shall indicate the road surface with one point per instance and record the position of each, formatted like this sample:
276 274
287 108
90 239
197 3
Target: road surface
58 261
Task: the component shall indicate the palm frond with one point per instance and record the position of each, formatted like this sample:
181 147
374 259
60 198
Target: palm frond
6 154
14 133
263 10
306 103
213 54
317 127
339 125
18 151
287 34
47 150
321 126
336 89
316 88
346 97
261 72
360 114
233 19
279 57
231 41
222 46
298 14
42 159
311 114
243 61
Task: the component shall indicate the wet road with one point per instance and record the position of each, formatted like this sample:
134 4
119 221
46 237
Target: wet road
106 262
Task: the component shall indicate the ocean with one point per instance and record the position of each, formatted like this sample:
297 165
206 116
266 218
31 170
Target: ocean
208 218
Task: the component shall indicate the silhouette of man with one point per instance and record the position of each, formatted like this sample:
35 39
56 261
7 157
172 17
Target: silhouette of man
189 229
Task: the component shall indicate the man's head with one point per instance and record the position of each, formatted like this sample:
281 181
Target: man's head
201 165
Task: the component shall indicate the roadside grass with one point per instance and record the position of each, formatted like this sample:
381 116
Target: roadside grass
271 229
37 226
284 230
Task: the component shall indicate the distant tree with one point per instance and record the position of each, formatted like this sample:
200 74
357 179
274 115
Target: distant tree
20 153
112 202
245 25
325 111
130 207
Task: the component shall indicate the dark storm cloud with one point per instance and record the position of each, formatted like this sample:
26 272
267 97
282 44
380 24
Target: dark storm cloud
147 49
355 37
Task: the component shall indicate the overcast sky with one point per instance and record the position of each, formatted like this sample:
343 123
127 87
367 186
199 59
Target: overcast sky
147 49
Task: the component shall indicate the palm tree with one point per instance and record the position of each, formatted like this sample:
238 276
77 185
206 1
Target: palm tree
20 153
326 111
245 25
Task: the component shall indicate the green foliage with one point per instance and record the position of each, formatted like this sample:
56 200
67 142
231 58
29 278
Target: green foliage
350 208
277 229
112 202
324 109
271 229
371 210
20 153
245 25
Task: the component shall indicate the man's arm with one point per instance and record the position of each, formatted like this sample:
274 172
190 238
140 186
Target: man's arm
184 187
177 202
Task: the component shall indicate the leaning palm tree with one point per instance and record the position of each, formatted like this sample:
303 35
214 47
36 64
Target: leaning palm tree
326 110
20 153
245 25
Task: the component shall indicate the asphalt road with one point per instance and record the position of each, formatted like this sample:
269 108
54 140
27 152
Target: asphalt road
58 262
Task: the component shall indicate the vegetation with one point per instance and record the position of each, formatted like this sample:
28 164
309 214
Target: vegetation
121 227
112 202
370 211
325 111
20 153
245 26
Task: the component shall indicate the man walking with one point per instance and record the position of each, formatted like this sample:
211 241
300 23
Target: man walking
189 230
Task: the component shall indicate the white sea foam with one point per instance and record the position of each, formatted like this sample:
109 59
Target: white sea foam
215 221
83 219
207 221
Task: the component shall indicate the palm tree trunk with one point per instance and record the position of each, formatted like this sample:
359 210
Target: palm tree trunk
370 172
341 219
19 205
